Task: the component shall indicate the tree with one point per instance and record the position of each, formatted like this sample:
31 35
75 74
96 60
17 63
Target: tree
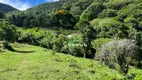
7 32
92 11
88 35
63 19
122 52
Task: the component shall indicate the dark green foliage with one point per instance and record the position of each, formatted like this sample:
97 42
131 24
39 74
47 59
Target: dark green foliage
6 8
138 38
91 12
63 19
88 34
78 7
68 4
8 32
17 20
107 13
131 14
109 28
59 42
115 4
2 15
41 15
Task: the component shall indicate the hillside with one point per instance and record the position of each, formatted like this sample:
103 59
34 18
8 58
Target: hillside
35 63
6 8
88 10
73 40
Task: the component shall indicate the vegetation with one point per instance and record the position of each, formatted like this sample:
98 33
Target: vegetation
63 19
6 8
7 32
107 32
2 15
122 52
36 63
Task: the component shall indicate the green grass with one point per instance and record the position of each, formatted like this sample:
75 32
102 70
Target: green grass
36 63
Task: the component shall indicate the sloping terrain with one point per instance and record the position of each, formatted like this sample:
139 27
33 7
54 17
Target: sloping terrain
36 63
6 8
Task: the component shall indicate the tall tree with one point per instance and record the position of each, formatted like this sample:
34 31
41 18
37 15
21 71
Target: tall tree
64 19
88 34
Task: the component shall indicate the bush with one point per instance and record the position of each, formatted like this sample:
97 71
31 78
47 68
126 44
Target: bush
74 49
8 32
59 42
74 46
47 41
119 52
35 36
97 44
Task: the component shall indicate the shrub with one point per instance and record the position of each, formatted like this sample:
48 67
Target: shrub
35 36
47 40
8 32
59 42
119 52
97 44
74 49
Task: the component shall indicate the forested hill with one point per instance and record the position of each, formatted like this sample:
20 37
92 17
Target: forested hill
44 15
6 8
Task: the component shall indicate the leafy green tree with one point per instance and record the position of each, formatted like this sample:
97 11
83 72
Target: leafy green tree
8 32
17 20
88 35
64 19
92 11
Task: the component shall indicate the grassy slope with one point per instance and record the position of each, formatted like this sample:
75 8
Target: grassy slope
35 63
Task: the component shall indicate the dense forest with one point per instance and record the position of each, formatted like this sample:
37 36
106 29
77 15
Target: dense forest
107 31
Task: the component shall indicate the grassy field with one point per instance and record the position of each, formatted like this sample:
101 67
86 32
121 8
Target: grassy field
36 63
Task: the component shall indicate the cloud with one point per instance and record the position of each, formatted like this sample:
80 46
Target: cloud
51 0
17 4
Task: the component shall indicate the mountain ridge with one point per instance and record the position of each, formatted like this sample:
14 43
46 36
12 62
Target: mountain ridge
6 8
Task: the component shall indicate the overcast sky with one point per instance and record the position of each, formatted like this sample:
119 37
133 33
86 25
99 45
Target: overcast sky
24 4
